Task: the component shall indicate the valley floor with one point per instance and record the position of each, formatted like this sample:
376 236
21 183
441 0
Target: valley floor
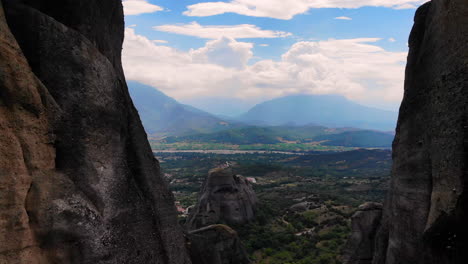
306 199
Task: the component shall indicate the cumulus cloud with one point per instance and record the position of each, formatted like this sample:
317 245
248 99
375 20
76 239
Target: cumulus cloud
392 40
174 72
212 32
287 9
225 52
137 7
343 18
355 68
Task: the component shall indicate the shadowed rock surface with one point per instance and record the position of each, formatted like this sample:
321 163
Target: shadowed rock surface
224 198
303 206
360 247
79 183
216 244
425 213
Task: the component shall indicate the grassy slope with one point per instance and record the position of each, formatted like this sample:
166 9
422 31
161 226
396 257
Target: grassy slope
285 137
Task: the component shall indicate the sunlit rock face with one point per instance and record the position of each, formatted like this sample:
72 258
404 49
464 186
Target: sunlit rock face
25 152
79 183
224 198
425 213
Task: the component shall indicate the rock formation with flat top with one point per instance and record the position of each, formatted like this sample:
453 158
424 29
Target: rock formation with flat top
224 198
78 180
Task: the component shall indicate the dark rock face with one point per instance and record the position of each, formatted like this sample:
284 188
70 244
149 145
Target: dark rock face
360 246
101 22
83 185
216 244
225 198
425 214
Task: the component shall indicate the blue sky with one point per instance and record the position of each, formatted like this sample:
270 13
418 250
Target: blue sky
255 50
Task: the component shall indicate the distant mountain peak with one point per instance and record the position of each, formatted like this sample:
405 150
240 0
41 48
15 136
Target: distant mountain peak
326 110
162 114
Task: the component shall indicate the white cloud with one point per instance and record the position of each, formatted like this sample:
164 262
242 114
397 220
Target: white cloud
355 68
343 18
392 40
264 45
225 52
406 6
174 72
287 9
214 32
137 7
160 41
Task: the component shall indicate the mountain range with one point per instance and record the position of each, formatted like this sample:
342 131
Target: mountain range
223 107
162 115
324 110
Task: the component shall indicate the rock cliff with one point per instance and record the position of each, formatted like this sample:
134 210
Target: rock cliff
360 247
425 213
25 152
78 181
216 244
224 198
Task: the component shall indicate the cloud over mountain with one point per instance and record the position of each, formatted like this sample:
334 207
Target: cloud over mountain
224 52
356 68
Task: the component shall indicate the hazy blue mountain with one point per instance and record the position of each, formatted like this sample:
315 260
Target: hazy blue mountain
325 110
162 114
221 106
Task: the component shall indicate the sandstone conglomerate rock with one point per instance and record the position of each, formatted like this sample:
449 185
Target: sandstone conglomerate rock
216 244
224 198
360 246
425 213
79 183
25 149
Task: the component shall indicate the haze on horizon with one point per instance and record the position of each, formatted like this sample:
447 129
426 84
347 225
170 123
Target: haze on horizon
248 51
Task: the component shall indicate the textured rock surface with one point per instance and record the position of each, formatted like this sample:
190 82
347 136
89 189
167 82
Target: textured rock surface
216 244
79 181
224 198
425 214
360 247
25 152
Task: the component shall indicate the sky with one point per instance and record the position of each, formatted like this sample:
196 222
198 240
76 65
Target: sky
255 50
